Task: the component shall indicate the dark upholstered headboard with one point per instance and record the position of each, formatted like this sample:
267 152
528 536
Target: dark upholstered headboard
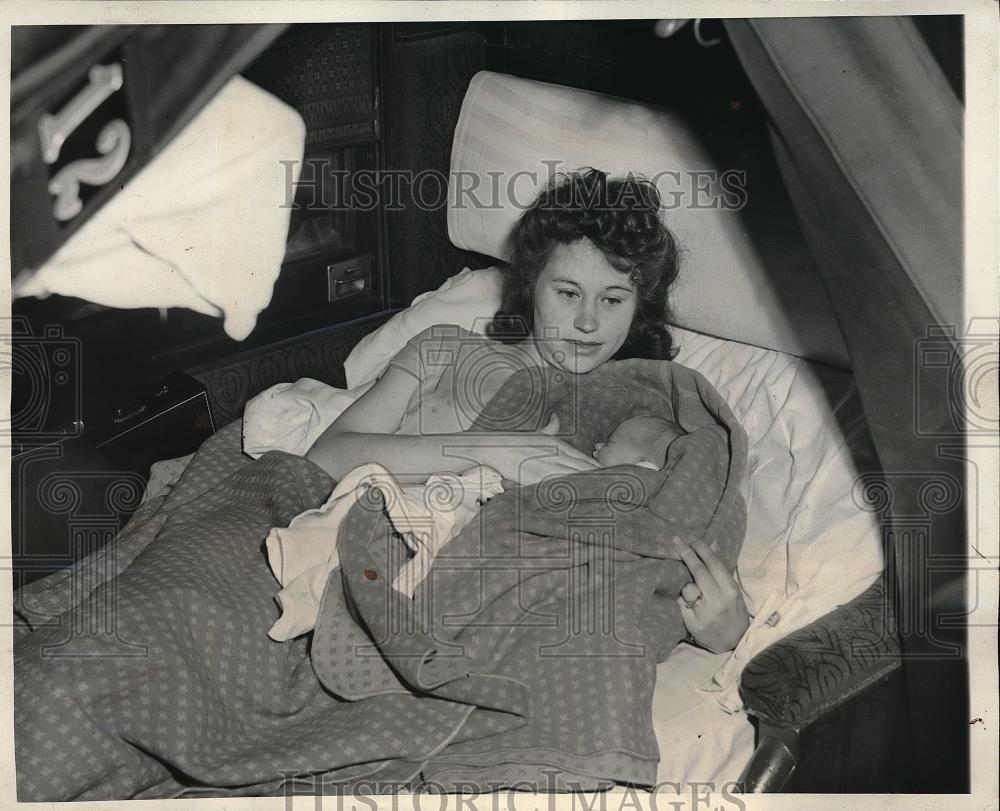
425 83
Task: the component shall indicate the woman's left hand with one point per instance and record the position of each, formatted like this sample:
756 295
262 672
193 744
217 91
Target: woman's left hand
712 606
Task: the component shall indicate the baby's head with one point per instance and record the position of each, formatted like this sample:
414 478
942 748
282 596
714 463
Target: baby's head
641 440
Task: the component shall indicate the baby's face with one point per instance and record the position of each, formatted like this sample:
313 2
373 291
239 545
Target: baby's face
637 441
628 445
613 452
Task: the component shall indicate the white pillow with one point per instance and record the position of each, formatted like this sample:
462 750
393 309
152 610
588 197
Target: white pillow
758 286
469 298
810 545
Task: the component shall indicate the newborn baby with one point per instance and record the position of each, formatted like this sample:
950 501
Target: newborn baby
641 441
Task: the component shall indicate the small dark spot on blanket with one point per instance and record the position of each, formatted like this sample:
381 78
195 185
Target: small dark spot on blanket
976 721
269 502
371 574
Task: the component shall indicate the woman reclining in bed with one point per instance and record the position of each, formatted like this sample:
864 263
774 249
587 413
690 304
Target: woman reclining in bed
591 265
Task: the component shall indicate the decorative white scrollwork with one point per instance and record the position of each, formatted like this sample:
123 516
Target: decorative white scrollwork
936 492
872 493
113 142
58 494
124 495
104 80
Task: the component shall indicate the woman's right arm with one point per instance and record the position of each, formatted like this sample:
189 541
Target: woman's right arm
524 458
365 432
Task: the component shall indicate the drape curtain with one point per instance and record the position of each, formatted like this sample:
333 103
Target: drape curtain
868 136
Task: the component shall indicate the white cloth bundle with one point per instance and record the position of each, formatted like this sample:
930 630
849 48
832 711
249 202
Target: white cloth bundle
290 416
203 226
427 516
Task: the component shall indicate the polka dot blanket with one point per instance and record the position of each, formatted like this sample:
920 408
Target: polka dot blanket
528 653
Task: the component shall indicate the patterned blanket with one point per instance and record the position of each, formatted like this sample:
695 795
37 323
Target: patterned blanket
544 619
529 652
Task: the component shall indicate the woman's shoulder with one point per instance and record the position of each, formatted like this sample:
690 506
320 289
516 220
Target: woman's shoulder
444 330
436 347
453 337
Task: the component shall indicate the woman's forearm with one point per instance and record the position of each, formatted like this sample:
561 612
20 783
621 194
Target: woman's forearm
410 458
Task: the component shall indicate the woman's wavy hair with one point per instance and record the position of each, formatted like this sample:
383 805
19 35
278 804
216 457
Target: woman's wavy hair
621 218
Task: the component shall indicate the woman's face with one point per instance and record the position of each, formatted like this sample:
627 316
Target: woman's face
583 308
